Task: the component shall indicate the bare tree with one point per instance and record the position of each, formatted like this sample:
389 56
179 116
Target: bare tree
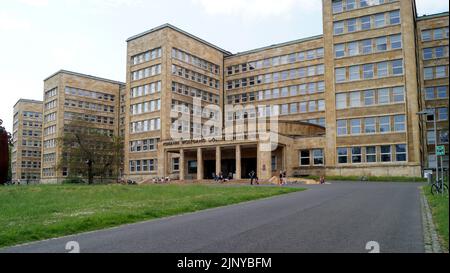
89 152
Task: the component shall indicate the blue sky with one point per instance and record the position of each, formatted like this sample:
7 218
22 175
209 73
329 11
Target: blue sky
39 37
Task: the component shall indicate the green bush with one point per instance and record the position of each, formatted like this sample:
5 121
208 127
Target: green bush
73 180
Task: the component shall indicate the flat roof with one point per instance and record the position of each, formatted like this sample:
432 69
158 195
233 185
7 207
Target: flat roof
180 31
277 45
430 16
62 71
28 101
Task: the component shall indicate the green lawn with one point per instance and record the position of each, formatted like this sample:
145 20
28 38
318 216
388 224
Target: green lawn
439 208
30 213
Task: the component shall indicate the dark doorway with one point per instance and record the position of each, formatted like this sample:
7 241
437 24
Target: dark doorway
248 165
209 169
228 166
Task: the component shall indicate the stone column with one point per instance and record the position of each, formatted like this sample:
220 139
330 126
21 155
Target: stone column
218 160
264 162
181 167
199 164
161 162
238 162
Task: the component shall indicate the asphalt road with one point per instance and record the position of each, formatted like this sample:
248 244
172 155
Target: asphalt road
341 217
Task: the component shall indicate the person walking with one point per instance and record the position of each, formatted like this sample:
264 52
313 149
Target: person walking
253 177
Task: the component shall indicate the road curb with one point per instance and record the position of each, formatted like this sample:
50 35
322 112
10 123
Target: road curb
431 238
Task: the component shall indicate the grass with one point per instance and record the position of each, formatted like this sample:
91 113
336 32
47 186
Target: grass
31 213
439 208
372 178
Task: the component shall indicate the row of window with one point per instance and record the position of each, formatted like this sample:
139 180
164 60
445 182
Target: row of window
184 107
48 172
302 107
442 139
146 72
89 105
88 118
50 130
31 164
30 176
195 93
294 90
310 71
49 157
31 123
89 94
379 20
51 93
371 97
50 105
435 52
87 130
51 143
311 157
276 61
147 89
369 71
31 143
368 46
195 77
50 117
434 34
144 145
145 165
28 114
372 154
195 61
145 126
147 56
348 5
436 92
442 115
435 72
371 125
196 129
28 153
31 133
145 107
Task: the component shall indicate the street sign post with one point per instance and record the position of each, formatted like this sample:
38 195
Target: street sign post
440 150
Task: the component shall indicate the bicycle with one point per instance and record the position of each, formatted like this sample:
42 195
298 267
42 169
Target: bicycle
439 188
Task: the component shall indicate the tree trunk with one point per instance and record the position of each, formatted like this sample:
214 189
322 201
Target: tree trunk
90 175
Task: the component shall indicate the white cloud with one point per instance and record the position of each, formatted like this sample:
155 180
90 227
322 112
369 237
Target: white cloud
9 21
431 6
35 3
257 8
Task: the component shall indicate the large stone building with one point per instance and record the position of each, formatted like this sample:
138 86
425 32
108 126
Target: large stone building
26 137
346 101
69 96
341 103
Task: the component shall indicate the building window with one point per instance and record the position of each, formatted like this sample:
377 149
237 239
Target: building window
274 163
355 99
369 97
354 73
342 155
379 20
397 67
394 17
442 114
399 123
356 155
400 152
340 74
353 49
426 35
318 157
385 153
351 25
369 125
442 92
396 41
367 46
383 96
337 6
398 94
440 72
385 124
382 69
341 101
365 23
371 154
305 159
428 53
355 126
175 164
341 127
339 50
367 71
338 27
431 140
443 137
381 44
